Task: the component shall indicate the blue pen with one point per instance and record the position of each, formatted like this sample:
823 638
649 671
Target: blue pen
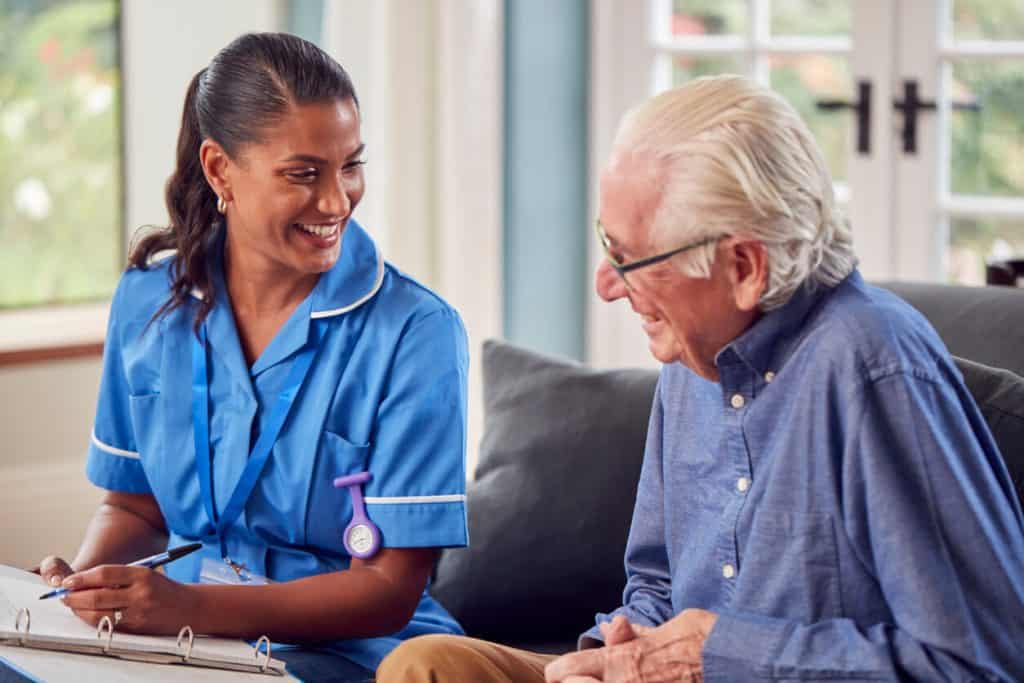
151 562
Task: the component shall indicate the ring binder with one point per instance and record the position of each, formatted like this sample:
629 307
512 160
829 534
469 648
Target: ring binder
266 661
50 626
28 624
105 622
191 640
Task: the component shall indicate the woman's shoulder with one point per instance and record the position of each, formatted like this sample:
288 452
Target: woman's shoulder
142 291
407 301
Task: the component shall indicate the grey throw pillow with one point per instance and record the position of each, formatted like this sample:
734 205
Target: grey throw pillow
551 504
1000 397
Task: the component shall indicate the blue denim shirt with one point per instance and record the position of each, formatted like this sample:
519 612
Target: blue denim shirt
837 499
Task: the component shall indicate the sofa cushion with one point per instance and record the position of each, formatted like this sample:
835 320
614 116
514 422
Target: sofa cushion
551 503
1000 397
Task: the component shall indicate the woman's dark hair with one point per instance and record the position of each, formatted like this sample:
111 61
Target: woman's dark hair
248 86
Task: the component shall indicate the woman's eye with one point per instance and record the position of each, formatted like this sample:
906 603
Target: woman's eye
353 166
303 176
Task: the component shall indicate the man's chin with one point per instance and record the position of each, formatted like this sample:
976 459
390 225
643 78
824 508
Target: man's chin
661 353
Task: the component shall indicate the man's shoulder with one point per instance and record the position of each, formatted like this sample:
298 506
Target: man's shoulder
870 332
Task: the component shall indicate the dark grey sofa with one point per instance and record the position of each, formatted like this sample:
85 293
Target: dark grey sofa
550 506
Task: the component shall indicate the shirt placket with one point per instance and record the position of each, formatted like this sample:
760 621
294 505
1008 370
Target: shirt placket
738 394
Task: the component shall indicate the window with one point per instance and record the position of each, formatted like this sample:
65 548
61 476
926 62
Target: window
60 152
936 209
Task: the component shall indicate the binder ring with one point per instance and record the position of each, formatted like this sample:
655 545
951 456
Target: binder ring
28 623
266 661
186 631
106 626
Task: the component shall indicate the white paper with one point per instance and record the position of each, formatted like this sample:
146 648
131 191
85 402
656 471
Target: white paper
51 617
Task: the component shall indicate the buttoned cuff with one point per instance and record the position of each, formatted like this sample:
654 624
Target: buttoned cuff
420 525
741 647
115 469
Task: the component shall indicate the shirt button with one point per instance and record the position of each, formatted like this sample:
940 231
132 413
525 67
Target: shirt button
737 401
728 571
742 484
769 376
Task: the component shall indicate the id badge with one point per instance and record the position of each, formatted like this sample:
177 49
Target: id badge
229 573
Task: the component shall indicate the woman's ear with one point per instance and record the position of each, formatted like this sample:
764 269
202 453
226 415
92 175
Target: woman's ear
215 161
749 273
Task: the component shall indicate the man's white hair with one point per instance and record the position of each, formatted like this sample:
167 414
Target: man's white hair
735 159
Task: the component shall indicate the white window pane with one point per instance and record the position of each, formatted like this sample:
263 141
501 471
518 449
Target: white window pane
988 20
60 170
708 17
810 17
988 145
687 67
975 240
803 80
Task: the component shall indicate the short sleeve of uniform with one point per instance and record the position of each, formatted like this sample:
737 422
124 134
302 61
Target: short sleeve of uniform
417 494
113 461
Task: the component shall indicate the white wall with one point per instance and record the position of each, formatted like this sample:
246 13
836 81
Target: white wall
429 78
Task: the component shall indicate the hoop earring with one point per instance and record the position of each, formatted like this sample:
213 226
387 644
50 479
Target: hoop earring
222 206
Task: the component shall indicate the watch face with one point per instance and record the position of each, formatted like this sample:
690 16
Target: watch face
360 538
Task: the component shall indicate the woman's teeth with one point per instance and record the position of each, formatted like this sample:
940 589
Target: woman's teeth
319 230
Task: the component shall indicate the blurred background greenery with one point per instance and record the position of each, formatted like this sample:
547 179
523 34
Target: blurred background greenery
60 151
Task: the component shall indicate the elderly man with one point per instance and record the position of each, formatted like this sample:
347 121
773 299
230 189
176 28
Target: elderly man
820 497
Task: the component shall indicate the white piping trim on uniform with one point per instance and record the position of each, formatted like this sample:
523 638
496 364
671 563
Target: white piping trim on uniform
120 452
398 500
359 302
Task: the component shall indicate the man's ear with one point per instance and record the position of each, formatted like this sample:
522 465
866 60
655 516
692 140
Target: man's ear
749 273
215 161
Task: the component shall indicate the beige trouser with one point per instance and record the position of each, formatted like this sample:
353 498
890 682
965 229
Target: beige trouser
450 659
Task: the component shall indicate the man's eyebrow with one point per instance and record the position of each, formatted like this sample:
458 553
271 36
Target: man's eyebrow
320 161
612 242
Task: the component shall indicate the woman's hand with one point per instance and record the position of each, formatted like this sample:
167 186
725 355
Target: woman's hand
54 570
146 600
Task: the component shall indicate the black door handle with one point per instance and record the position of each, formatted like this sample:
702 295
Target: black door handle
911 104
862 107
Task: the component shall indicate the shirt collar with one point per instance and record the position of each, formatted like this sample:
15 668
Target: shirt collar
354 279
766 344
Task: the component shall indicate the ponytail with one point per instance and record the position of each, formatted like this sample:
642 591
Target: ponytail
192 207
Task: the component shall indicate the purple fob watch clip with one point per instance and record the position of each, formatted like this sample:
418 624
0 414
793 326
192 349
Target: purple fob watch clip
361 537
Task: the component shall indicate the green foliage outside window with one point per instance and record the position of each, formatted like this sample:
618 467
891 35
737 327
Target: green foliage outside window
60 151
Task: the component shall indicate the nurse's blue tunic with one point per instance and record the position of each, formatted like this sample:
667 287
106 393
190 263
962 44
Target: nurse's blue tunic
386 394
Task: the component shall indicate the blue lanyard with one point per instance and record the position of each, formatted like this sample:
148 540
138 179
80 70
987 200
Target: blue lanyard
264 444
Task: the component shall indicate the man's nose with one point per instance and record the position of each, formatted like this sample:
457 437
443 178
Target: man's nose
607 282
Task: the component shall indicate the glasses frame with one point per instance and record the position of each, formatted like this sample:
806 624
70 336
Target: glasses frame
623 268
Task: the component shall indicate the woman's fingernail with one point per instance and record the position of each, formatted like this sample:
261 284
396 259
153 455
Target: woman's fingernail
70 582
54 580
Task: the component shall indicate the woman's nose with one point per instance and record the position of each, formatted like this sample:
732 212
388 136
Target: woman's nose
334 199
607 282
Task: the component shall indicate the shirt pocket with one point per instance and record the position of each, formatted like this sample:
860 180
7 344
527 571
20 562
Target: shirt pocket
330 509
789 566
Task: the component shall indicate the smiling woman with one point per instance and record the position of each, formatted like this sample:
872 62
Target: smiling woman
259 347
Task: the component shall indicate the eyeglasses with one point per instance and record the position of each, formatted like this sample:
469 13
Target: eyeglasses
623 268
